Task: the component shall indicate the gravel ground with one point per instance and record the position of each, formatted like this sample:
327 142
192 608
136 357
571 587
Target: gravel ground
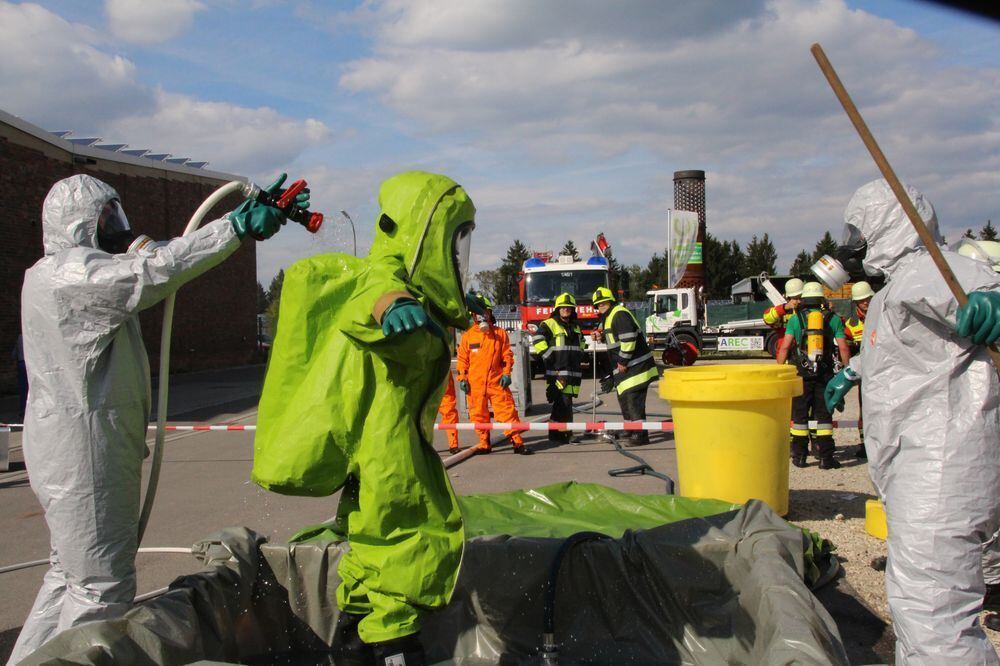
832 503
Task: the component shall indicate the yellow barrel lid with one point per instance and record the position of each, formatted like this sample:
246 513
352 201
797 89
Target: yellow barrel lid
730 383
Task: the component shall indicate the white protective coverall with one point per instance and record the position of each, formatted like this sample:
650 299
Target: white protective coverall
932 431
89 398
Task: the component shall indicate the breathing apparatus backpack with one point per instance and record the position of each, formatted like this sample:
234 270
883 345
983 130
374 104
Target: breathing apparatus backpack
815 350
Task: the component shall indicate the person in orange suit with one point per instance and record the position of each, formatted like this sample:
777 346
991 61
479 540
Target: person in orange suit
448 409
485 363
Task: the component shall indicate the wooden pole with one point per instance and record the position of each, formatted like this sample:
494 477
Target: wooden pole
897 187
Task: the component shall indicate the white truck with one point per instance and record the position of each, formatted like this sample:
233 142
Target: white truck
678 321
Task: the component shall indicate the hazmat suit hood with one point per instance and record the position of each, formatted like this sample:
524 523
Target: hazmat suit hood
420 214
875 211
71 211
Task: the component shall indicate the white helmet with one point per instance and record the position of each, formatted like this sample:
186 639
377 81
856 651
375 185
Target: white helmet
861 290
793 288
980 250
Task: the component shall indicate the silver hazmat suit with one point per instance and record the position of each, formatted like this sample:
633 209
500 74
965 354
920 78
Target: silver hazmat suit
89 399
932 430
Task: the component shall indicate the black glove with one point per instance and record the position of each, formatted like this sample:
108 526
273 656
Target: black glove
607 383
551 392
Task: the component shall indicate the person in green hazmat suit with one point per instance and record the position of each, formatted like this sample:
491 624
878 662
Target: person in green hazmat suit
357 370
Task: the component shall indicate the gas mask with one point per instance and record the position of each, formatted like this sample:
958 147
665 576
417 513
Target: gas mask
114 235
483 322
847 263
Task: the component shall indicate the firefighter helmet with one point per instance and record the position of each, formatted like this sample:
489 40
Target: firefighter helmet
603 295
861 291
565 300
793 288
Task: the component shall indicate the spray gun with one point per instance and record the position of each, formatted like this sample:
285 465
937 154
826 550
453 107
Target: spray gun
286 204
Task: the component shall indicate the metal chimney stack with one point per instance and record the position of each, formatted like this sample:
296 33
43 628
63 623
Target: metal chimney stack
689 194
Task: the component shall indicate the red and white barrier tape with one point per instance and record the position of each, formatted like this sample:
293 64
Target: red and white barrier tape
520 426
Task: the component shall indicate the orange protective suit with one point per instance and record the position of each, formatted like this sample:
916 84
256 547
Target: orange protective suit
448 409
483 358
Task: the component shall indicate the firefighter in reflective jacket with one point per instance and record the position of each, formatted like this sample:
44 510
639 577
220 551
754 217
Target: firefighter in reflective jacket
777 316
854 328
818 337
485 364
560 344
634 367
448 409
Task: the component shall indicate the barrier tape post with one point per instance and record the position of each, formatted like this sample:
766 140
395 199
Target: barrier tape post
4 449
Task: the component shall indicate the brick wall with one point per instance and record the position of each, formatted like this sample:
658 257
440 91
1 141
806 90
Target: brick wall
215 315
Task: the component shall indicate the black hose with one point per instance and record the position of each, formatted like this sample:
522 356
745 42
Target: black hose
642 468
550 649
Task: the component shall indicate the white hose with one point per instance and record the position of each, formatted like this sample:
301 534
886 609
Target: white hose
168 319
38 563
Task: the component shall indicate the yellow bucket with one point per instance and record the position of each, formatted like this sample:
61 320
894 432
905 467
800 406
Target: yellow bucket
875 523
731 430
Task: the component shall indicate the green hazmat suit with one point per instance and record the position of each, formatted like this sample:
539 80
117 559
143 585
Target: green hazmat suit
345 407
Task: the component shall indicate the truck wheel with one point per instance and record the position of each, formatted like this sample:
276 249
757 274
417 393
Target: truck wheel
771 343
684 353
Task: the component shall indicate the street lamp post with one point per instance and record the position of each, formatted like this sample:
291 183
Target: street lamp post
353 234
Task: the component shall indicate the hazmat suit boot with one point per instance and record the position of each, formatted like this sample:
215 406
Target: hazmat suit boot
800 451
405 651
348 649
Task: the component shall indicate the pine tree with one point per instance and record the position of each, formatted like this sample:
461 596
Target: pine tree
487 282
724 264
506 286
988 232
274 299
801 264
570 249
761 256
969 233
826 245
261 298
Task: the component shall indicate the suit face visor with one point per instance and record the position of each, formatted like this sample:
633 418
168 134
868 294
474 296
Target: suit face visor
114 234
461 249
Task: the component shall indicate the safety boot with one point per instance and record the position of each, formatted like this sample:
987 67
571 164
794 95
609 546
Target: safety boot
405 651
637 439
861 453
523 450
829 462
991 600
348 649
800 451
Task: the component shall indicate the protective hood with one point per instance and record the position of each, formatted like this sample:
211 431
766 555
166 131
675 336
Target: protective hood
71 211
876 212
420 214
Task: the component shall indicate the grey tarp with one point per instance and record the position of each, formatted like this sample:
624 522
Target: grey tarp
727 588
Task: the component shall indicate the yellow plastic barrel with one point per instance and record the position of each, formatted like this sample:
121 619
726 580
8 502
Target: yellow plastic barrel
731 430
875 523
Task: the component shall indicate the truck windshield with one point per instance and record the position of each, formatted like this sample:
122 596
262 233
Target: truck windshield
543 288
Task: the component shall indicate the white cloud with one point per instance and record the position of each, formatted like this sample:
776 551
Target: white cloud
145 22
232 137
55 72
549 86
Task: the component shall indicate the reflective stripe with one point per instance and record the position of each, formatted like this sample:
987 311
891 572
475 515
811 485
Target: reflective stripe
628 336
613 347
548 352
627 347
563 373
824 432
638 380
636 361
565 348
535 339
798 430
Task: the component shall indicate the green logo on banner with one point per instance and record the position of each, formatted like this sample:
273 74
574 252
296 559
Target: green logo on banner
696 255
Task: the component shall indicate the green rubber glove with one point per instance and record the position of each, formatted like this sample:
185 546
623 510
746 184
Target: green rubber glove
465 386
256 220
505 381
979 319
838 388
405 316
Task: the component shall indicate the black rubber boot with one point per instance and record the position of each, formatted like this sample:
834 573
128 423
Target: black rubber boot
405 651
800 449
348 649
829 462
523 450
637 439
991 600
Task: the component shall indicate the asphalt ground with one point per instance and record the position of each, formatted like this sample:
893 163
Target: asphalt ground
205 482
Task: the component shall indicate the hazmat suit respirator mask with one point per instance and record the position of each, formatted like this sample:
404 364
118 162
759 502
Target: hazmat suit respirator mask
114 235
461 247
847 263
482 322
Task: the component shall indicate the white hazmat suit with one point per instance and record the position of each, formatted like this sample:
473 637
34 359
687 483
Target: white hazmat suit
89 399
932 431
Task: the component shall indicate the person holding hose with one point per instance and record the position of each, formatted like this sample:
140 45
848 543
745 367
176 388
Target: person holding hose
817 335
485 364
932 412
561 345
89 397
351 407
634 367
854 328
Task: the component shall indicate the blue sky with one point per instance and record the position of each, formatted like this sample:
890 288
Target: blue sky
561 118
